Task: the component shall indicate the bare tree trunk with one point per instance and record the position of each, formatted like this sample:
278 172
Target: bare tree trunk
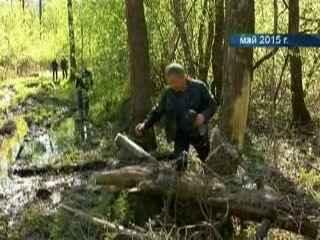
40 16
238 72
177 17
22 4
205 55
300 114
140 82
217 49
40 11
73 63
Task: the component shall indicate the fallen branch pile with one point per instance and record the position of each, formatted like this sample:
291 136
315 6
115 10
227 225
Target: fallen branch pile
298 214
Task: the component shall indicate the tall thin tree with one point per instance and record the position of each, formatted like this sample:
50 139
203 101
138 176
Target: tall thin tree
300 113
205 52
217 49
179 22
72 45
23 4
140 82
40 11
237 73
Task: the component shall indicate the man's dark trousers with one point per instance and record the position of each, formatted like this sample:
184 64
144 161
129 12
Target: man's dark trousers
64 73
200 143
55 75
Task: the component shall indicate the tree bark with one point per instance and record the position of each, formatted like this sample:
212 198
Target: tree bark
238 71
140 82
217 50
300 113
178 20
72 45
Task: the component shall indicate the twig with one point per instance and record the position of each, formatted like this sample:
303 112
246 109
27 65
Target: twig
280 81
285 3
105 224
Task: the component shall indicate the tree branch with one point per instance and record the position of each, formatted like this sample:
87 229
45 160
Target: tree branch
280 81
265 57
105 224
285 3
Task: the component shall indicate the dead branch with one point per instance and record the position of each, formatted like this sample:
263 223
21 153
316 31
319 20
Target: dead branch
105 224
127 144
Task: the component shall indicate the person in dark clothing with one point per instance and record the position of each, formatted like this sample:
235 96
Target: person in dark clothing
83 84
64 67
187 105
54 68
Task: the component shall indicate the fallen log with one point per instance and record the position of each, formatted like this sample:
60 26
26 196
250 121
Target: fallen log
122 141
297 214
134 149
133 234
55 170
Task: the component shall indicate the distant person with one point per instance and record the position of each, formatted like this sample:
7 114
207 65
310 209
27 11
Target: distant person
64 67
54 68
83 84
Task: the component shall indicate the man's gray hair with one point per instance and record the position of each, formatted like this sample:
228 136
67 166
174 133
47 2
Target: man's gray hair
174 69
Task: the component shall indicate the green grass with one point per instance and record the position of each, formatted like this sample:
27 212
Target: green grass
37 224
21 90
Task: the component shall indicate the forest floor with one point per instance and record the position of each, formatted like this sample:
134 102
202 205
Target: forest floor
39 127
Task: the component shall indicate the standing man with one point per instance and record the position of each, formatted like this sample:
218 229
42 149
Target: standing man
187 105
64 67
83 84
54 68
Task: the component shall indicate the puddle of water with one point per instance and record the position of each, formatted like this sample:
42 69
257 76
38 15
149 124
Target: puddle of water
36 146
9 145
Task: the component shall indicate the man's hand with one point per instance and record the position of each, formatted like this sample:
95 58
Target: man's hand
139 129
199 120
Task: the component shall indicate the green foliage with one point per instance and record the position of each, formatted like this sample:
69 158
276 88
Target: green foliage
309 180
26 46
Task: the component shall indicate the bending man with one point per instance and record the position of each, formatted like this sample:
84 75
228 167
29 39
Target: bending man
187 105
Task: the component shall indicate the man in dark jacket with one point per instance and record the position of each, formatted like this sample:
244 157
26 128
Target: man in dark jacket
83 84
54 68
64 67
187 105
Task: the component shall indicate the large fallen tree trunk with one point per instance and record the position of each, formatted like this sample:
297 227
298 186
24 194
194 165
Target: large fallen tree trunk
289 212
296 213
63 169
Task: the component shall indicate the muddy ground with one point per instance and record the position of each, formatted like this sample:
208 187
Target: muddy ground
38 130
